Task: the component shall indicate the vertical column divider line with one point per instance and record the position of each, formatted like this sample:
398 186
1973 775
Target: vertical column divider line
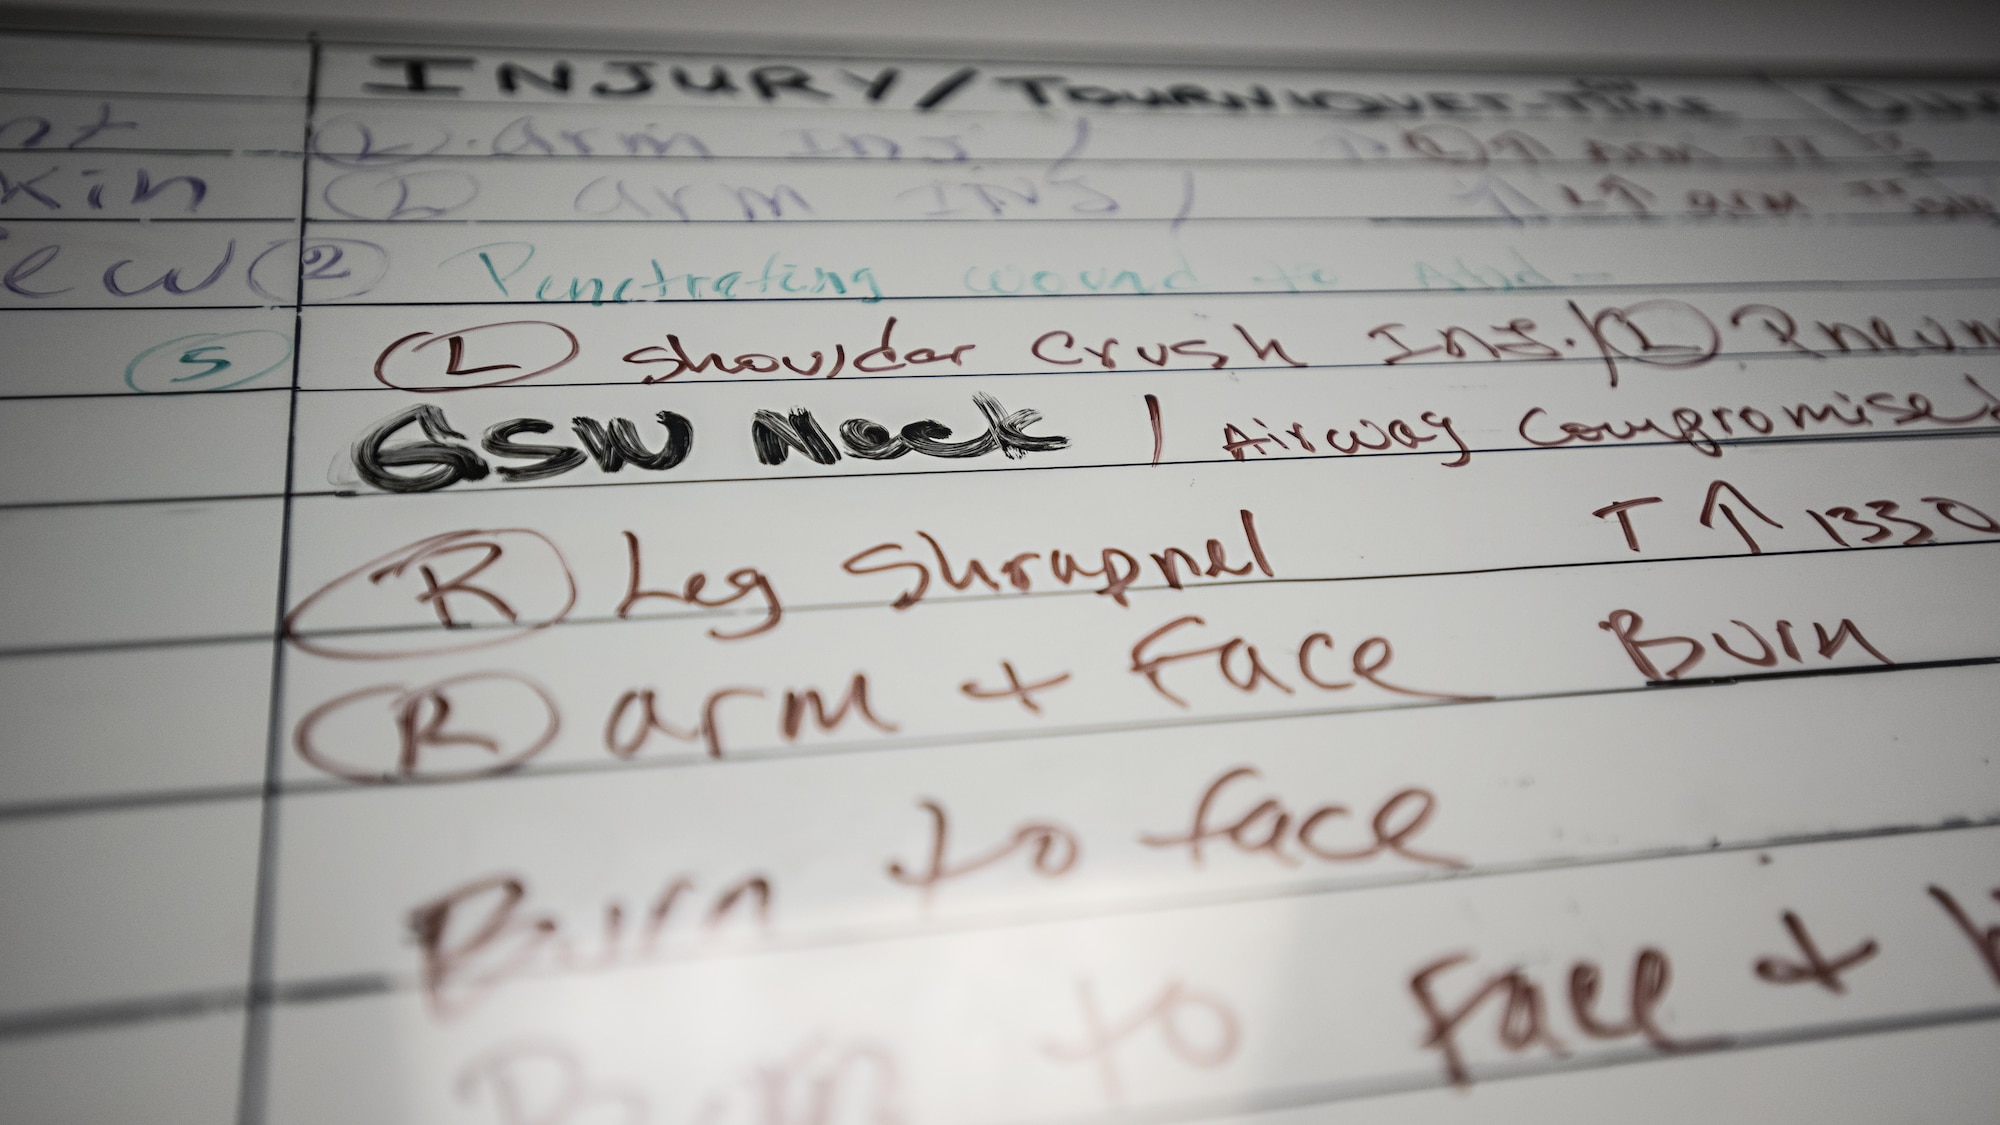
253 1073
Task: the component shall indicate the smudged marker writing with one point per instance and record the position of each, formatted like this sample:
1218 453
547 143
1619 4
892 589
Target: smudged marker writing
208 361
543 345
1168 1012
1812 965
1119 569
331 269
1053 851
508 582
775 435
485 933
883 357
1269 826
427 741
1525 1023
1015 689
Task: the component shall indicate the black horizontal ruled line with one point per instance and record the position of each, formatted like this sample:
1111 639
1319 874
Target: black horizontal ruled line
1125 372
1834 219
189 308
120 1013
1800 439
132 802
134 501
1086 592
332 162
1750 286
1809 673
319 990
222 31
286 101
143 396
152 220
1939 434
116 150
1402 165
180 1006
129 644
314 787
1206 369
84 647
1781 285
793 752
314 990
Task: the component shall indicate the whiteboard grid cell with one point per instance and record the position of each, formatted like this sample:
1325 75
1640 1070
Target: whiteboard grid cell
269 992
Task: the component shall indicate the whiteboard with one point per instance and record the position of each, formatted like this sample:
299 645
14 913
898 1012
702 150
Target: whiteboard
608 587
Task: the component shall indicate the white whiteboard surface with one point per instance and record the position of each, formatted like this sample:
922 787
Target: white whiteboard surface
597 587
